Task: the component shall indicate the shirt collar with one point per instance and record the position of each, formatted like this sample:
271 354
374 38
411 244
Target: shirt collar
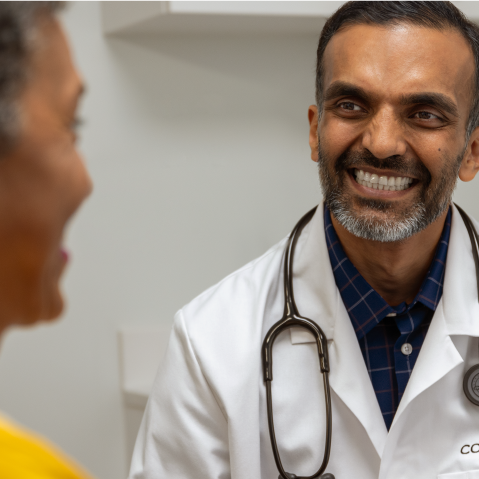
354 289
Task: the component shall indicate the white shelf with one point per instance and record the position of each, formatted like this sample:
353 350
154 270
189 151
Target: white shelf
205 17
184 17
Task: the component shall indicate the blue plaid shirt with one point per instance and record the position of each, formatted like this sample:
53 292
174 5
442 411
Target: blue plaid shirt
382 329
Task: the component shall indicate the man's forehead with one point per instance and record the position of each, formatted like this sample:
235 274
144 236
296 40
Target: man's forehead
400 59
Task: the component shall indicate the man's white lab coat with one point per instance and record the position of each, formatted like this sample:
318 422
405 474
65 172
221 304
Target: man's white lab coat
206 417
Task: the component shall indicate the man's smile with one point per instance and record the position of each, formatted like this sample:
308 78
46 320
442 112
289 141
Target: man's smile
380 183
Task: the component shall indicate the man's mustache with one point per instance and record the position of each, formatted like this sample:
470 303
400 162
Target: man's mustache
397 163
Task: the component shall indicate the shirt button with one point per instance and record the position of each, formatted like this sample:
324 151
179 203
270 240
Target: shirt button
406 349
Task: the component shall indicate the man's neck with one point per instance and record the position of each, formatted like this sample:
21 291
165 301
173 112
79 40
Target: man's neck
395 270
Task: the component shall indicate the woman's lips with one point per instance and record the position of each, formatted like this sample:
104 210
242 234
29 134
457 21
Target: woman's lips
65 255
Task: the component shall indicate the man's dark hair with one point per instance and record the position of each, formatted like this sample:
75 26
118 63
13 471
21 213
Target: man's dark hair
437 15
18 22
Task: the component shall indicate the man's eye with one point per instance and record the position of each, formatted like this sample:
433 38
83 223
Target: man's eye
348 105
425 115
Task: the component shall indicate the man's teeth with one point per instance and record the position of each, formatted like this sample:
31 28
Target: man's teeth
390 183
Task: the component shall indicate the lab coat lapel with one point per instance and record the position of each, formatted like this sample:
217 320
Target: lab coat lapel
351 382
438 357
456 314
318 298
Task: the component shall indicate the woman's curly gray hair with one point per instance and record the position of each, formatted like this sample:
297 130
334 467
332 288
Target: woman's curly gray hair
18 22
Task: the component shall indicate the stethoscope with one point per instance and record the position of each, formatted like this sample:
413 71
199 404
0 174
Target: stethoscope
291 318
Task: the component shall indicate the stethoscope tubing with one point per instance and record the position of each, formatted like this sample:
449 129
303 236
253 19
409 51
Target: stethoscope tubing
327 445
474 237
291 319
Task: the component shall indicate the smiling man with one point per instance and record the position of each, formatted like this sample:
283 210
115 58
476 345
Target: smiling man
384 267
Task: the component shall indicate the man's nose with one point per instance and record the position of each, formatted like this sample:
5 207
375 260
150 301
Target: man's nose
384 135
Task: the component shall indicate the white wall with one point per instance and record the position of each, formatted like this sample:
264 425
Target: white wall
198 148
181 137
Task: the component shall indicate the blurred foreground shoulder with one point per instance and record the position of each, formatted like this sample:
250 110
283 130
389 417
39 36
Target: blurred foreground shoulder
28 456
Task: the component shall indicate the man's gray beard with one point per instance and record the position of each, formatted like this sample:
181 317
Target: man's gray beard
433 200
366 226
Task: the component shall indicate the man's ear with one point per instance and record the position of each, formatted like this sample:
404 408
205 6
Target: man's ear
313 131
470 162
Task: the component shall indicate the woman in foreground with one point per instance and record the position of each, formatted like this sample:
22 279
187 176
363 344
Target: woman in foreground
42 183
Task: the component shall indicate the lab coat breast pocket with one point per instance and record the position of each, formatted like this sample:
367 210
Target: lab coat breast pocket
460 475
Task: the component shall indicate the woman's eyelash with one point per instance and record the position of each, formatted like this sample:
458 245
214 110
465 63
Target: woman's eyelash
77 123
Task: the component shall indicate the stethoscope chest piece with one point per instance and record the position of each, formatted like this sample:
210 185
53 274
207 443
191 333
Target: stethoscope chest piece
471 384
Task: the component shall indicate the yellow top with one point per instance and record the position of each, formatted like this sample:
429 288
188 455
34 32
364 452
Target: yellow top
24 455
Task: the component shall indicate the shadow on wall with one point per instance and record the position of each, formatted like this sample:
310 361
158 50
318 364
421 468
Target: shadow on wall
212 74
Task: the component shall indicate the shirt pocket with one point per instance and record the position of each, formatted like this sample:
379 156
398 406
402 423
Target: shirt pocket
460 475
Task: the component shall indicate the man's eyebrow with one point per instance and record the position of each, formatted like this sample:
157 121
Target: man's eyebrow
438 100
341 88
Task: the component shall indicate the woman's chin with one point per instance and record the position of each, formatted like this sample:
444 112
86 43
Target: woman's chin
49 308
54 307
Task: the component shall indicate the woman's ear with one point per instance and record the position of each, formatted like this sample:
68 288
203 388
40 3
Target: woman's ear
470 162
313 131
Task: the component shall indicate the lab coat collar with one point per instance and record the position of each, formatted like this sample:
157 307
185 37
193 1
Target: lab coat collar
318 298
